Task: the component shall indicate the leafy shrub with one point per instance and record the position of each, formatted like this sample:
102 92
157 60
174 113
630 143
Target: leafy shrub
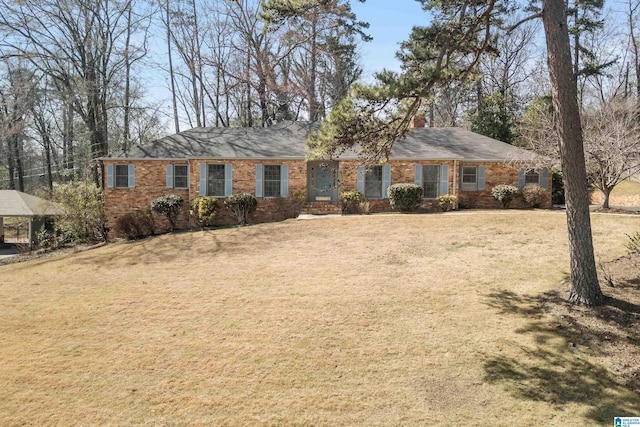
350 201
504 194
289 207
534 195
135 225
241 205
45 239
83 218
405 197
634 242
446 201
468 200
557 187
168 206
203 210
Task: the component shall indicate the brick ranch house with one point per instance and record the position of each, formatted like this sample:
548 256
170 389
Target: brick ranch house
272 164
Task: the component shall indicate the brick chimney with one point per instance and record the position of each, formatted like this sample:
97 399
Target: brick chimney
418 121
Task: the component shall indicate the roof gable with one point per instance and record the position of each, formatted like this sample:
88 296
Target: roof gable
16 203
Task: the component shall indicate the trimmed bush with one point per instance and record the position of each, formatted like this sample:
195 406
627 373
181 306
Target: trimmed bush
241 204
168 206
446 201
534 195
405 197
289 207
203 210
135 225
350 201
504 194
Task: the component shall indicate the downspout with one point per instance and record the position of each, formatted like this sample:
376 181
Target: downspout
455 182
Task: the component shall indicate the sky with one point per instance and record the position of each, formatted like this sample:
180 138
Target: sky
390 22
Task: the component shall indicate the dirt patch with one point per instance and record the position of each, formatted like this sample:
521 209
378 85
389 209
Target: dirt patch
610 333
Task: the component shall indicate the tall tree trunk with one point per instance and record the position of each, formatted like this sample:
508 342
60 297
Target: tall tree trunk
585 288
248 106
606 193
68 136
176 122
313 102
17 156
11 166
127 85
198 60
47 161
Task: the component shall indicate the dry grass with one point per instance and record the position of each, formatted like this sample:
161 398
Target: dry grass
627 193
374 320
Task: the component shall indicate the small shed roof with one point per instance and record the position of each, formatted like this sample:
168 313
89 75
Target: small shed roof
16 203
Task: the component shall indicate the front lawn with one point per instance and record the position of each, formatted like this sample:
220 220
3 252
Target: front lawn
443 319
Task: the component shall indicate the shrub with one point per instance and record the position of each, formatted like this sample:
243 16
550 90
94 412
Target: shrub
203 209
241 205
45 239
634 242
405 197
557 187
534 195
446 201
83 217
168 206
504 194
350 201
135 225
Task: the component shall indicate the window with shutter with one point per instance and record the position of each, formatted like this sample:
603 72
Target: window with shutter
215 180
373 183
271 181
122 176
180 176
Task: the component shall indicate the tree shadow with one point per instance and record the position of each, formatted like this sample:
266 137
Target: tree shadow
182 246
567 362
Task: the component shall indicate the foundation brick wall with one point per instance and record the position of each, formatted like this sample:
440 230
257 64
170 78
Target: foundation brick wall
151 183
496 174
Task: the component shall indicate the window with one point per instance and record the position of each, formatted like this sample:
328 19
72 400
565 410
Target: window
373 183
180 176
469 175
215 180
122 176
271 181
430 181
177 176
472 178
531 177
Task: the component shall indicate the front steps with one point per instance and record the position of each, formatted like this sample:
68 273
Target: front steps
321 208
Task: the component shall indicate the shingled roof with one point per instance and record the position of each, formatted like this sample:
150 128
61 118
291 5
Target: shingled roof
288 141
16 203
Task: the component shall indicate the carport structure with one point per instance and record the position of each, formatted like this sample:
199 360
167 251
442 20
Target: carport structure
15 204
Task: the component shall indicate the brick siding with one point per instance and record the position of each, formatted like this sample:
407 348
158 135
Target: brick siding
150 183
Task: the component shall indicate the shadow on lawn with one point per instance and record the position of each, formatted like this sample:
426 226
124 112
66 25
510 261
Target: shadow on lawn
555 370
168 248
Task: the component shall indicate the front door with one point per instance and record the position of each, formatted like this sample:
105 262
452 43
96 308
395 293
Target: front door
323 180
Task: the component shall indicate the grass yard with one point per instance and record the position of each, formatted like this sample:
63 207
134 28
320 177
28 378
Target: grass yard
448 319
